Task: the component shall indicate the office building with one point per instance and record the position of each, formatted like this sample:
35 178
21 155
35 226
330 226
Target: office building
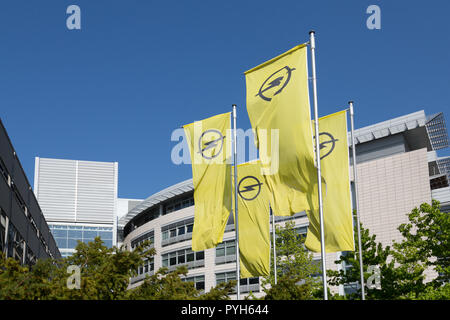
24 232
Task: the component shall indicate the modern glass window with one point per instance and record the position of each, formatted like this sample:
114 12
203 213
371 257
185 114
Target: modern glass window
247 284
149 236
180 257
199 281
2 229
225 277
67 236
177 231
220 250
226 252
178 204
147 267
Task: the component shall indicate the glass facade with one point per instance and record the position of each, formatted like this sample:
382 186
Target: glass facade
185 256
66 236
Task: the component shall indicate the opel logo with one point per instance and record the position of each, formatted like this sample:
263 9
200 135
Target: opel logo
210 143
249 187
275 83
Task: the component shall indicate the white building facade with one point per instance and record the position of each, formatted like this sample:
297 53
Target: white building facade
78 200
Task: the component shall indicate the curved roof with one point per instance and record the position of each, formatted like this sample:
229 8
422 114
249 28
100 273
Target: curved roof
157 198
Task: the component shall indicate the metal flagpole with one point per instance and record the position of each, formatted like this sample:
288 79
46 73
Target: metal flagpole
236 220
312 43
274 247
361 269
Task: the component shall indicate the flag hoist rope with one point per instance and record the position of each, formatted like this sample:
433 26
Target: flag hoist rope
355 179
236 220
274 246
312 44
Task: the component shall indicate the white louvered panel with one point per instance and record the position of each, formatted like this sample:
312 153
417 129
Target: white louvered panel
56 189
95 192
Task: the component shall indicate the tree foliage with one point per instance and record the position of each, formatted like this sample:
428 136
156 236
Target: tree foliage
295 268
404 265
104 273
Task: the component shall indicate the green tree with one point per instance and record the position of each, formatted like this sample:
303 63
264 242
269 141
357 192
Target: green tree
295 268
373 254
427 238
104 274
424 246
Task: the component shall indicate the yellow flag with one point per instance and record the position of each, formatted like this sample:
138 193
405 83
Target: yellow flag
253 212
211 176
337 210
278 108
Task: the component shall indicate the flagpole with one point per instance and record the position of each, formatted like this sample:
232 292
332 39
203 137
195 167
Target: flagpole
274 247
236 220
312 43
361 271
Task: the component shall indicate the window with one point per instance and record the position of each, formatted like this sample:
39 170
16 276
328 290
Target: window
173 259
19 198
190 256
3 170
225 277
220 250
149 236
231 248
246 285
178 204
199 281
180 257
66 236
177 231
226 252
147 267
2 230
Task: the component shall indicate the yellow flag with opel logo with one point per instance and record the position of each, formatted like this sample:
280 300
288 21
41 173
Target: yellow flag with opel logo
279 112
253 212
211 177
337 207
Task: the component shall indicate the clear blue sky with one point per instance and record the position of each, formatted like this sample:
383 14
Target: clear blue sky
116 89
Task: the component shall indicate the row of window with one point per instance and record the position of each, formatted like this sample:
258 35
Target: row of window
184 256
149 236
176 232
21 203
67 236
164 208
246 285
178 204
147 267
12 242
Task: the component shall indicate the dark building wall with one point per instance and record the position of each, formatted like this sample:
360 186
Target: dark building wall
24 233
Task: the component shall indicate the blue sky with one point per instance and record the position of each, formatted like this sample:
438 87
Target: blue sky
116 89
